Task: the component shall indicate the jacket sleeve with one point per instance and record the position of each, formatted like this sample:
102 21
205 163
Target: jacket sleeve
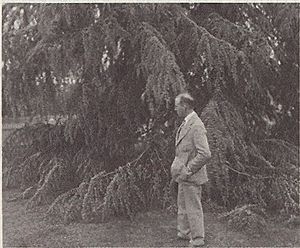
202 150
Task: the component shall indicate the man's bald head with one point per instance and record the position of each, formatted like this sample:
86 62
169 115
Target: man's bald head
186 99
184 104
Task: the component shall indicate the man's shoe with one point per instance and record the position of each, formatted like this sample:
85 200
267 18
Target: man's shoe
183 236
197 243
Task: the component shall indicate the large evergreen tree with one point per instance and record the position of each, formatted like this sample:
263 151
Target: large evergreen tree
114 70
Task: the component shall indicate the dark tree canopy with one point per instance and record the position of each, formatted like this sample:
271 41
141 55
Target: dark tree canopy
114 69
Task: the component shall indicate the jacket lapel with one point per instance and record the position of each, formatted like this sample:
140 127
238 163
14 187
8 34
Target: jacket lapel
185 129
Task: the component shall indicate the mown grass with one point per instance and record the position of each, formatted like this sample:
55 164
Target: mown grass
23 228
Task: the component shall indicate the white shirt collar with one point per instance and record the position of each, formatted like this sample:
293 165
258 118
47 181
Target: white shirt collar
189 116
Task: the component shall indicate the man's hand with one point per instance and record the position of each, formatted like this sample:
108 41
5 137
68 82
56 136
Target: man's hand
186 173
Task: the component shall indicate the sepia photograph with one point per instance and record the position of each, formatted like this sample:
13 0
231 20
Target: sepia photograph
150 124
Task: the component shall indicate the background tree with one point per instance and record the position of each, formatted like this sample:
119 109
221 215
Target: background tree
114 70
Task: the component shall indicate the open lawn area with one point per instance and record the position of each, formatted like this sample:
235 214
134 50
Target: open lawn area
23 228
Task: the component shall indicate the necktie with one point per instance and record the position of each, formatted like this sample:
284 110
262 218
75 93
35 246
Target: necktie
179 129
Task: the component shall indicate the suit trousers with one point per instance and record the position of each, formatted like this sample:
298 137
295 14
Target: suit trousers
190 214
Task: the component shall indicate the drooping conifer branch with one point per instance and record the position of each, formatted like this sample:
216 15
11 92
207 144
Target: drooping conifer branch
158 64
101 63
218 58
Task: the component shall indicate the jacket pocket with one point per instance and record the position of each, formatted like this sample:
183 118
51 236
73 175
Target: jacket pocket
178 164
198 178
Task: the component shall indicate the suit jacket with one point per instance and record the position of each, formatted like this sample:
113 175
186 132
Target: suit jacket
192 150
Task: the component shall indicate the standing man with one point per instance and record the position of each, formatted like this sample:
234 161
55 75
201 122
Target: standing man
189 171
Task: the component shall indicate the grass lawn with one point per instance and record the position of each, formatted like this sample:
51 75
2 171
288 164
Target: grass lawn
23 228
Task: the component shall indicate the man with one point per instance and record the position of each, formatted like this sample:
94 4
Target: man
189 171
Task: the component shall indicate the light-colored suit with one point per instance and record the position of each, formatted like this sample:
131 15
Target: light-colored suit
192 151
